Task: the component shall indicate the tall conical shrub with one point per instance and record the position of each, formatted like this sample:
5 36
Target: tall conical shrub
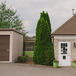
43 51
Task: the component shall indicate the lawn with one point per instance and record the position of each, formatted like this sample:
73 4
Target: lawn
29 53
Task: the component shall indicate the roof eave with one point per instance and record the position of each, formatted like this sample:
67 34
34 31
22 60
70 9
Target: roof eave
63 34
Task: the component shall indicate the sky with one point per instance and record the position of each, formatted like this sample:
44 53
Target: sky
29 10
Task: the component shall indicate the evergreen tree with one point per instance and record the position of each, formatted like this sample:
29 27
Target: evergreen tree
43 51
46 17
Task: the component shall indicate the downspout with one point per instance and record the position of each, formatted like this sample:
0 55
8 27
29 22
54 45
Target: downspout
52 41
52 37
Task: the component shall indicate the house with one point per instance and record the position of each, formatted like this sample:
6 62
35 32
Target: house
64 39
11 45
29 43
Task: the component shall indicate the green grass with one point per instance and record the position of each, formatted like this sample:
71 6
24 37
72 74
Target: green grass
29 53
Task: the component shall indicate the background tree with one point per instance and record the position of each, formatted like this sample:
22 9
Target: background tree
43 51
9 18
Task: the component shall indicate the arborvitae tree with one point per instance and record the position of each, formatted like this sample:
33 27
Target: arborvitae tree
43 51
46 17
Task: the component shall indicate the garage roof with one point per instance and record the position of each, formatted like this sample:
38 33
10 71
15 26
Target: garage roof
6 29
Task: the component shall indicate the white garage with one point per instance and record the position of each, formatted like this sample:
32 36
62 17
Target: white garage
11 45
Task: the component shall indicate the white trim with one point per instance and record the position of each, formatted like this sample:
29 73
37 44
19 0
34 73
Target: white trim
68 48
65 37
5 62
10 33
11 41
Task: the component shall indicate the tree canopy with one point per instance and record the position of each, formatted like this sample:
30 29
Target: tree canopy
9 18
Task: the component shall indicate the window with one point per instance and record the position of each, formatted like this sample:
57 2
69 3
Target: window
63 48
74 45
64 57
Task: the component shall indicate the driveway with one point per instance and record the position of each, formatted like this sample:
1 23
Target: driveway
15 69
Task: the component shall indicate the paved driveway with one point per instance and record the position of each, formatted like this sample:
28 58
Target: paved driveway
16 69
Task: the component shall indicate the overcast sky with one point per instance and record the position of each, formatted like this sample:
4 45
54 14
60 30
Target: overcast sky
29 10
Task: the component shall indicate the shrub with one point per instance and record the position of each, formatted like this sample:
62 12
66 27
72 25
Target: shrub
21 59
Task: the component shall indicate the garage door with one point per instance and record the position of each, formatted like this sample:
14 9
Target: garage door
4 47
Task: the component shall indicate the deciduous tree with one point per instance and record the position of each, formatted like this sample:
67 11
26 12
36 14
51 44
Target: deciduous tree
9 18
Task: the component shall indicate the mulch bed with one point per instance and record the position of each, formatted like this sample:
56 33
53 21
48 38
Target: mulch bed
29 61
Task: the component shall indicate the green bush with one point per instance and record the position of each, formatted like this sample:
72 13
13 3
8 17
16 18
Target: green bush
21 59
